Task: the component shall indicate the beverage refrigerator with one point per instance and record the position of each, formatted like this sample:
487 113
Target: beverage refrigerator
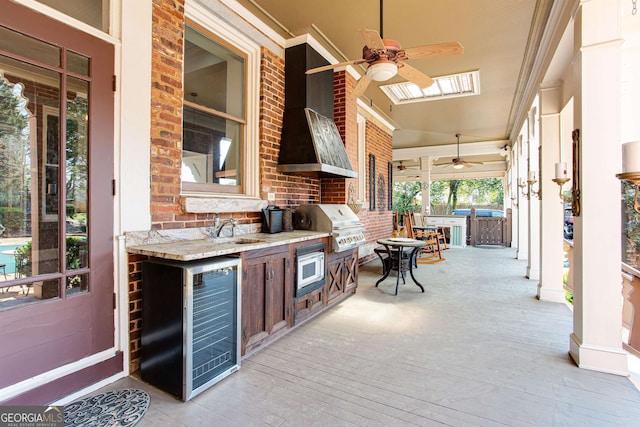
190 324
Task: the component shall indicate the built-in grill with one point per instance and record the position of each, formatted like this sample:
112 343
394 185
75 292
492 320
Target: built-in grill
339 220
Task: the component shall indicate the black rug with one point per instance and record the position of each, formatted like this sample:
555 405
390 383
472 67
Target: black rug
122 408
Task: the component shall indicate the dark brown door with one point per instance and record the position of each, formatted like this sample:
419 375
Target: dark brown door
56 201
266 296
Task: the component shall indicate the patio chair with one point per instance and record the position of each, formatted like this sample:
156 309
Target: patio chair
431 252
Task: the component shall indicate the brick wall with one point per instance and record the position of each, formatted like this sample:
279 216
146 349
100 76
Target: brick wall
378 223
345 117
166 114
135 310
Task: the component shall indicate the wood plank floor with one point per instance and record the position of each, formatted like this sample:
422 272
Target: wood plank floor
476 349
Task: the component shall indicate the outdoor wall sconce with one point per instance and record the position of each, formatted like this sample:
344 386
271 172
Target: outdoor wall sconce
513 201
529 183
631 169
561 179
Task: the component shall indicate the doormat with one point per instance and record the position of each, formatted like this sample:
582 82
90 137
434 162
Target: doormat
113 408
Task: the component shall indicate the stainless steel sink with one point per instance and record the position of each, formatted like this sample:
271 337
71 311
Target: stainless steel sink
235 240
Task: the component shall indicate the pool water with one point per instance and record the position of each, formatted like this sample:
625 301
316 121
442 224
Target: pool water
7 258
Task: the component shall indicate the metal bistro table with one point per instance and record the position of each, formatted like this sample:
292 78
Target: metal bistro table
403 263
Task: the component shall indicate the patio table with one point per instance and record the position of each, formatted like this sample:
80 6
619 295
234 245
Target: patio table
403 264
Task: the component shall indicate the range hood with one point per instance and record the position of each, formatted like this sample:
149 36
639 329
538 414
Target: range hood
311 143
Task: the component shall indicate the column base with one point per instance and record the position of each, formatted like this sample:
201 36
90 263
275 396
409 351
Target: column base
533 273
601 359
550 295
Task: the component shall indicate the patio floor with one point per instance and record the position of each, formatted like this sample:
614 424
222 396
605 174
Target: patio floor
476 349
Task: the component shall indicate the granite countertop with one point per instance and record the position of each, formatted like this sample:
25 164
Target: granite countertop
189 250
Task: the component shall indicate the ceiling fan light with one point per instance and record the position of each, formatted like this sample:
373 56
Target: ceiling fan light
458 166
382 71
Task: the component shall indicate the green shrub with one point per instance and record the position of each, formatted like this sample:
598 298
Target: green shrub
568 296
23 256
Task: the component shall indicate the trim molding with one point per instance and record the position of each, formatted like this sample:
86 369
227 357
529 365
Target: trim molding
598 358
55 374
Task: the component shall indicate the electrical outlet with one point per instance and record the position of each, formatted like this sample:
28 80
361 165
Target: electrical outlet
271 197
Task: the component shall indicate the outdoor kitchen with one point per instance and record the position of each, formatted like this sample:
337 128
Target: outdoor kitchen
297 252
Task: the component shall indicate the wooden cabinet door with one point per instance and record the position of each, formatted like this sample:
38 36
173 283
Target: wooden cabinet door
350 271
308 304
342 275
278 298
335 278
266 296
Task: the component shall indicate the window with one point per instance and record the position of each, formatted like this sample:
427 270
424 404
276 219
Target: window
92 12
48 94
451 86
214 117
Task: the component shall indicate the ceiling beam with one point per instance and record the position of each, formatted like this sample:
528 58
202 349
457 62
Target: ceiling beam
449 150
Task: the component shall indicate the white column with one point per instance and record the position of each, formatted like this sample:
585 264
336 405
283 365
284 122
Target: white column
523 202
550 287
135 117
513 196
425 178
533 265
596 339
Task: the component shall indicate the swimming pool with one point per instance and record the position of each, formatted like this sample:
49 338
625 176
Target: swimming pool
7 258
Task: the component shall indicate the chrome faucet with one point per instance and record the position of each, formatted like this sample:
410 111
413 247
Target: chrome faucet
218 226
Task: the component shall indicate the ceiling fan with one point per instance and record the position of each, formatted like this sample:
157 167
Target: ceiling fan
386 58
402 167
459 162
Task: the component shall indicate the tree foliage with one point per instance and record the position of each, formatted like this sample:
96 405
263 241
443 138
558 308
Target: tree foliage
404 196
480 191
14 146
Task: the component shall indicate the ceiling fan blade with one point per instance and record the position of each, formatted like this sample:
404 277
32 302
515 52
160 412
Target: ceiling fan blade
361 86
440 49
449 163
372 39
413 75
332 66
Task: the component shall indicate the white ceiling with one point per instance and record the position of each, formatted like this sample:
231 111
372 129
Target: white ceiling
500 38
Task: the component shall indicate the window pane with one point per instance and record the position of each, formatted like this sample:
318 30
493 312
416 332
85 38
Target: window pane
211 149
76 179
77 63
20 295
29 164
630 227
77 284
16 43
214 76
92 12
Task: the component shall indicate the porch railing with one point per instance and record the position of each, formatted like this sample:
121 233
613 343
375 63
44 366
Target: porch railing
630 301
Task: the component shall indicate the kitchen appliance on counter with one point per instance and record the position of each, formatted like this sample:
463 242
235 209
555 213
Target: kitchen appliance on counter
272 219
190 324
310 268
345 227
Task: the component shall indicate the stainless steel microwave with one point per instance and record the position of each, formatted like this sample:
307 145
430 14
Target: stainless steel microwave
310 268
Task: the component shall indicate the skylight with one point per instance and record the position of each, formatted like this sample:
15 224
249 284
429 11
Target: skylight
450 86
